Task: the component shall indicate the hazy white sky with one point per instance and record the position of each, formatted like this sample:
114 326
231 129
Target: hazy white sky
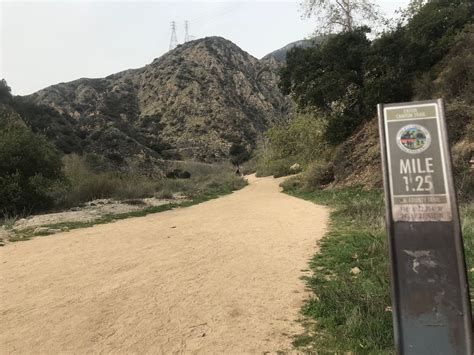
47 42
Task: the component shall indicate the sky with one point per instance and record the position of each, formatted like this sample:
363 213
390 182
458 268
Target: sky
47 42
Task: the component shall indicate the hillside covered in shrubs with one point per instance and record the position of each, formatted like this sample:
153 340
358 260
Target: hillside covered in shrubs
193 102
36 176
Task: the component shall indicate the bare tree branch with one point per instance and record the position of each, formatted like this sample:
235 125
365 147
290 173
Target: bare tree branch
341 15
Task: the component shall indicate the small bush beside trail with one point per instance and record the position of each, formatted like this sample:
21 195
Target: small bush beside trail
178 174
275 167
318 173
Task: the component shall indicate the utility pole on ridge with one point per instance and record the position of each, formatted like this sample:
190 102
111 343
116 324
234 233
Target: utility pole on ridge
186 31
174 39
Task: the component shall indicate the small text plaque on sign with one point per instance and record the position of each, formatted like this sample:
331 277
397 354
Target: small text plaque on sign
417 169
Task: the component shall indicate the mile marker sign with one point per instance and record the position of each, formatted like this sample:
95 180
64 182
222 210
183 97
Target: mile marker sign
430 294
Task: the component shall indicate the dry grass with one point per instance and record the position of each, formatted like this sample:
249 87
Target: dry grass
86 184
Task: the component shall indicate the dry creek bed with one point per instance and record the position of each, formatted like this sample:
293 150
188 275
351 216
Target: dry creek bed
90 212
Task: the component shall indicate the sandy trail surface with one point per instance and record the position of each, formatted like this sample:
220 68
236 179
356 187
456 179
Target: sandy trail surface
218 277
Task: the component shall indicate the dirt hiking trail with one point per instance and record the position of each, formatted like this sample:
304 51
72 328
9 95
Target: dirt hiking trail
218 277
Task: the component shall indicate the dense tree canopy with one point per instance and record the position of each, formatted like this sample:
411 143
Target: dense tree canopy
319 76
29 164
29 167
347 75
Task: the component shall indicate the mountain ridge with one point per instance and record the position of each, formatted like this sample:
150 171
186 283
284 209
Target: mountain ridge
191 103
279 55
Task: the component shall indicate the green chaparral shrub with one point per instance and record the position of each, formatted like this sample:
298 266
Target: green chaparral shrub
30 167
238 154
453 77
178 174
318 174
275 167
298 140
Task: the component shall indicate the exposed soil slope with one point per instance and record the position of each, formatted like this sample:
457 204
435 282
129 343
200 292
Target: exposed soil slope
357 161
219 277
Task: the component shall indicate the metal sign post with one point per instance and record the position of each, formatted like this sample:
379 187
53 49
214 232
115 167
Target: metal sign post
430 294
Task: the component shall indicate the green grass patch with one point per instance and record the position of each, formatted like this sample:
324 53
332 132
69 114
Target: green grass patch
204 196
466 211
347 311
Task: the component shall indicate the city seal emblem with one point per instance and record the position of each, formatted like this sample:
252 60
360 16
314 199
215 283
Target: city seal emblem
413 138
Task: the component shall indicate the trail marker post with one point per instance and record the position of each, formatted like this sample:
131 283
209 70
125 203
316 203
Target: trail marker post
430 295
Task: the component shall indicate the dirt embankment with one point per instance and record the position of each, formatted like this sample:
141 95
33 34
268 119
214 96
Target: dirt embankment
222 276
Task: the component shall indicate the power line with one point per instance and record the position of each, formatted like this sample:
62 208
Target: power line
174 38
211 16
186 29
205 18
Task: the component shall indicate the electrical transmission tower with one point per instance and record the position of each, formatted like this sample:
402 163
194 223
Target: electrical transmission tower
174 38
186 29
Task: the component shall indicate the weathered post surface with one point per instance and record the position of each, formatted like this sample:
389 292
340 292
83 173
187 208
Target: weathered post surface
430 293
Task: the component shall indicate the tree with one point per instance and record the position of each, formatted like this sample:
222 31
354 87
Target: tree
29 167
347 75
342 15
238 154
411 10
408 53
5 92
330 78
